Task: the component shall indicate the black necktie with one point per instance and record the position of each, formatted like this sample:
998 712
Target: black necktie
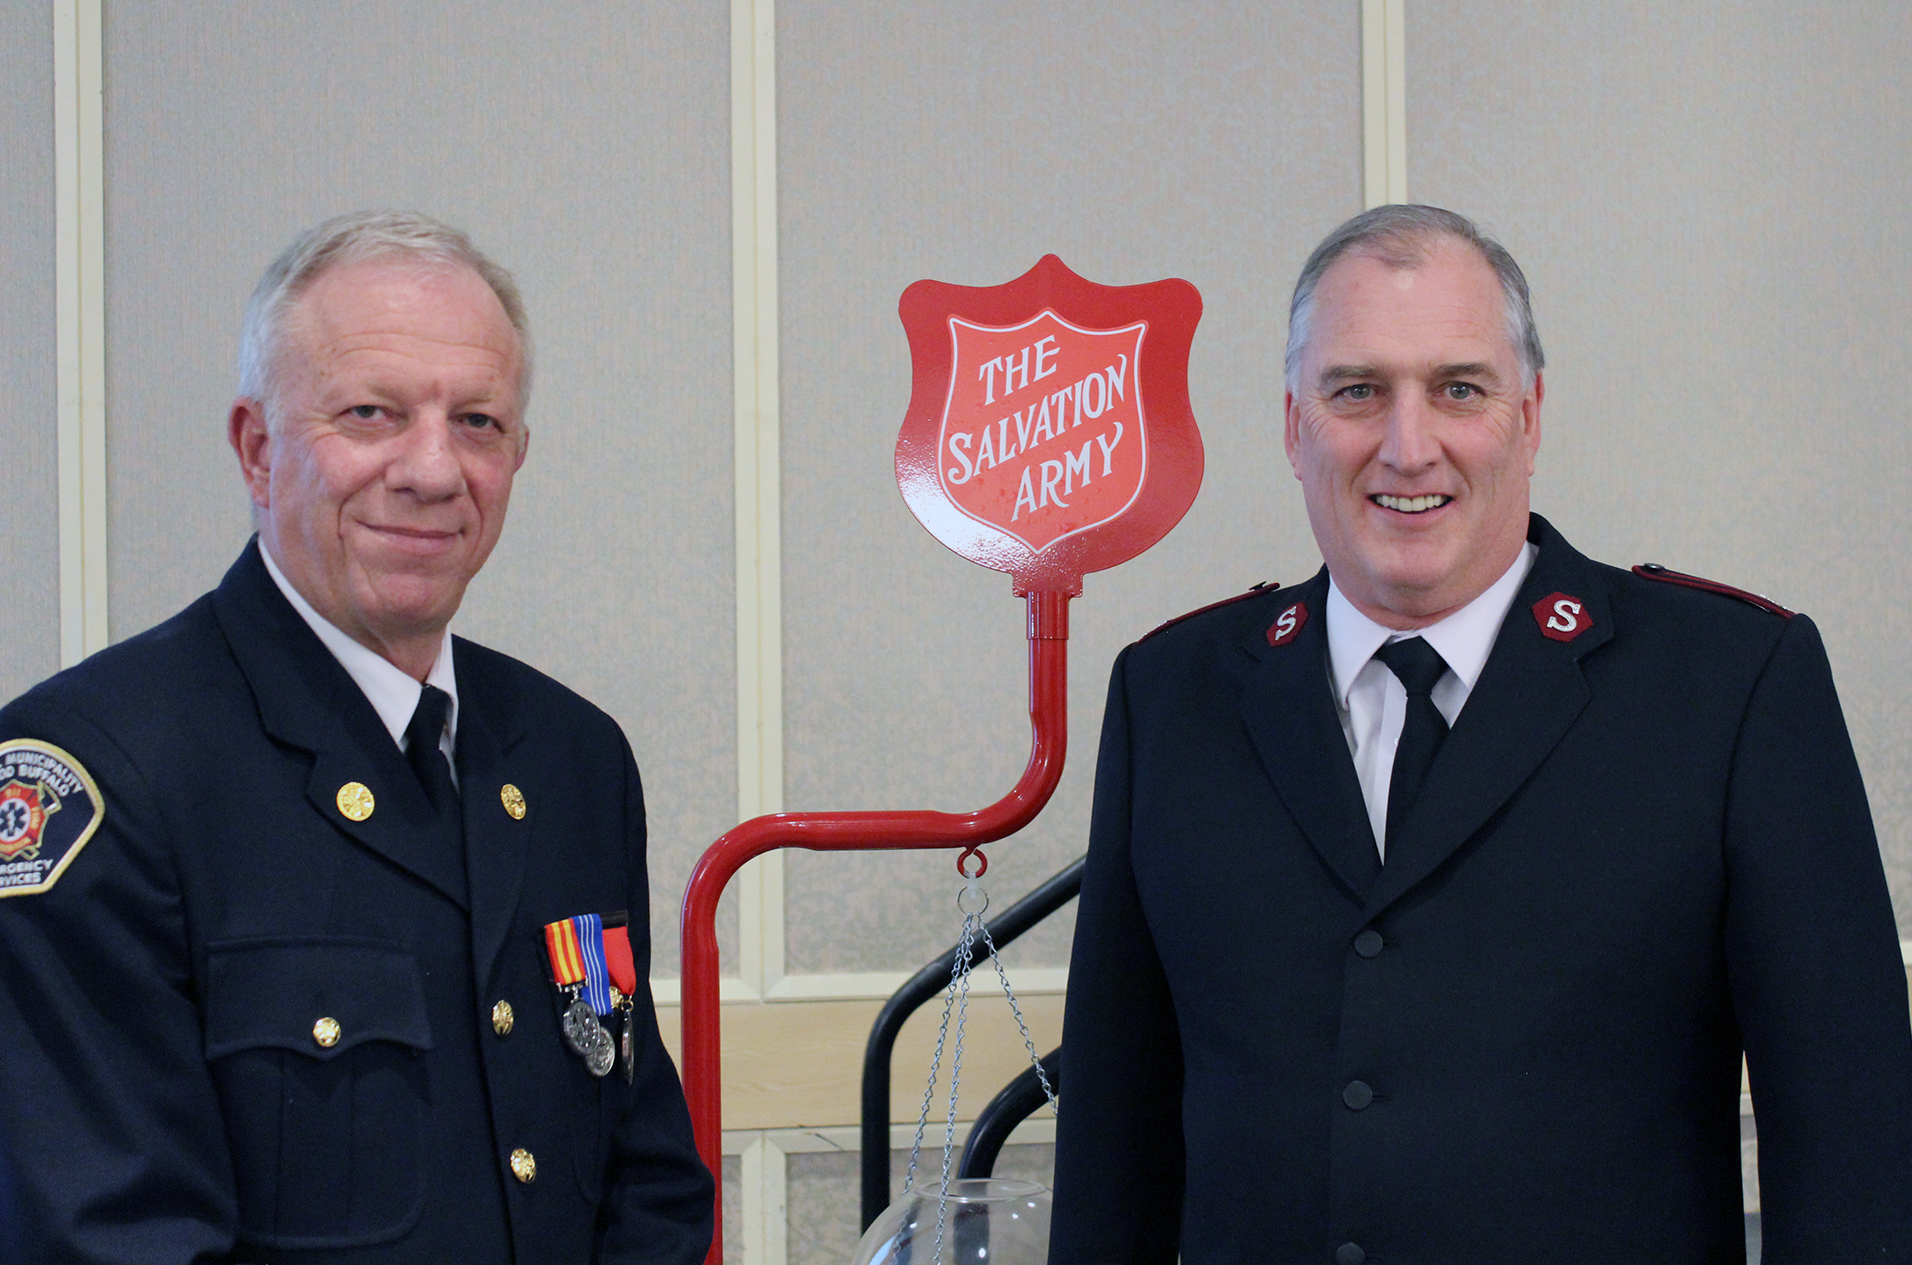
427 758
1417 665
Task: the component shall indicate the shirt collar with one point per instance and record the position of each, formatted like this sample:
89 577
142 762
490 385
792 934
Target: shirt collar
391 691
1464 639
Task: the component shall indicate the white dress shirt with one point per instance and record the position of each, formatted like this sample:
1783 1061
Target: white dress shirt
391 691
1371 699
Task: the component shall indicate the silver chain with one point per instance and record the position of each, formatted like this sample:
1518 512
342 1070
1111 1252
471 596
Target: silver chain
956 1001
935 1066
964 958
1028 1042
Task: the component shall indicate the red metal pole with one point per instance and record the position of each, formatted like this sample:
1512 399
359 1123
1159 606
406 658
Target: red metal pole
860 831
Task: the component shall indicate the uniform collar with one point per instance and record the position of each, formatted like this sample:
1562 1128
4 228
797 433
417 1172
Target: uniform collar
391 691
1464 639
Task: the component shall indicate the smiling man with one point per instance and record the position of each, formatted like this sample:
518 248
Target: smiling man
1432 904
322 931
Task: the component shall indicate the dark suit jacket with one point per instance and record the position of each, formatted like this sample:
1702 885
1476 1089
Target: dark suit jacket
166 1099
1640 851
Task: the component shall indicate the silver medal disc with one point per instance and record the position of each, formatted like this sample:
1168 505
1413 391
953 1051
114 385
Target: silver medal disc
579 1020
603 1055
588 1039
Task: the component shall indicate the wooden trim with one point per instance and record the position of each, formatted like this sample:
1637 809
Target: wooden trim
800 1066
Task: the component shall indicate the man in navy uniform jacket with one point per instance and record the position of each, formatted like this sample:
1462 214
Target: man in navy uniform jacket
275 876
1431 904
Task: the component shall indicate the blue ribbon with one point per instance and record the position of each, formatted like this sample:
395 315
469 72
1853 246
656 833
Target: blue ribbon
597 976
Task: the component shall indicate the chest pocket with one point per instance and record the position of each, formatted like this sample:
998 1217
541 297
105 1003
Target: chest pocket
315 1047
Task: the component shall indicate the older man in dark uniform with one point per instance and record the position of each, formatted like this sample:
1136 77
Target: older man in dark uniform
1432 903
323 932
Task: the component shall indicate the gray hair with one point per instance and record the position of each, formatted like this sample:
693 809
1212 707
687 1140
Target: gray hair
1399 236
406 237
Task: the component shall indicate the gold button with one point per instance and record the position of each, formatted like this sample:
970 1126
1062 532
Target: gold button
513 800
355 801
326 1032
523 1166
502 1018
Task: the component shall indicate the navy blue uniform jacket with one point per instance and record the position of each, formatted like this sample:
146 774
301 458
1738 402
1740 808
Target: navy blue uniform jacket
1640 851
165 1097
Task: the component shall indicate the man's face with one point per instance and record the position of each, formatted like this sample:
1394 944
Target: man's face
381 486
1412 433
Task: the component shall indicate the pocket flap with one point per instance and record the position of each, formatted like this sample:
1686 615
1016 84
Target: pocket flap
281 993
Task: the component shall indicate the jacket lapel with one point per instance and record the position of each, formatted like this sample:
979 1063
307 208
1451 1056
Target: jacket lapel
307 700
1290 713
1528 696
496 842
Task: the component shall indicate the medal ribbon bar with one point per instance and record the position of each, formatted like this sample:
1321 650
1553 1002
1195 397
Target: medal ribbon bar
567 962
617 958
589 937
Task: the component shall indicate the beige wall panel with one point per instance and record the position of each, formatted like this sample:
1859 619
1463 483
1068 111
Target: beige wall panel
29 436
800 1064
1710 203
962 142
587 147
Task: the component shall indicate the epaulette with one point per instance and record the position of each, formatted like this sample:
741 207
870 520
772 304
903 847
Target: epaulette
1264 587
1654 571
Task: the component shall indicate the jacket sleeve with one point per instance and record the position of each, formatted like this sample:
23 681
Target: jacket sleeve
658 1196
1119 1151
1817 981
110 1113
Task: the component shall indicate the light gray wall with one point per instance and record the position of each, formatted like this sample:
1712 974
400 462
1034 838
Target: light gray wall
1711 207
29 452
962 143
587 149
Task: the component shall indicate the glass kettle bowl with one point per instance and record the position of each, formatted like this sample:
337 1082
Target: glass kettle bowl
980 1221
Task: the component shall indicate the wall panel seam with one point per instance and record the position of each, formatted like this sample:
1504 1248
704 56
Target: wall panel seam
764 1216
757 465
80 325
1384 101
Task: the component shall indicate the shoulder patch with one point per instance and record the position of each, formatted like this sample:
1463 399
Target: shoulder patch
1264 587
1654 571
49 807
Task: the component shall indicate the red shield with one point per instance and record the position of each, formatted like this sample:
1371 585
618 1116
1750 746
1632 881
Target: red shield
1044 433
22 818
1049 431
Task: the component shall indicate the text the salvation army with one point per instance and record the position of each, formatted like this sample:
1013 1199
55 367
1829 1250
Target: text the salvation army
1042 419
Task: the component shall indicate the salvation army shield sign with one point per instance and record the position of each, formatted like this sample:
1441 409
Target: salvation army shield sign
1049 431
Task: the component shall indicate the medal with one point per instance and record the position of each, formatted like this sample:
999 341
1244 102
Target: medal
623 972
592 967
588 1039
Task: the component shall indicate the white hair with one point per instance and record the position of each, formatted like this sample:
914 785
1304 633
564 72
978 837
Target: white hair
405 237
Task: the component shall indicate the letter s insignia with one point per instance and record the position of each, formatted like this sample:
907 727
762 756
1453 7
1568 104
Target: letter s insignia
1562 617
1288 624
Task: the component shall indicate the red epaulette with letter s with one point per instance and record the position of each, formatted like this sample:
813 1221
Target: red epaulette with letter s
1654 571
1265 586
